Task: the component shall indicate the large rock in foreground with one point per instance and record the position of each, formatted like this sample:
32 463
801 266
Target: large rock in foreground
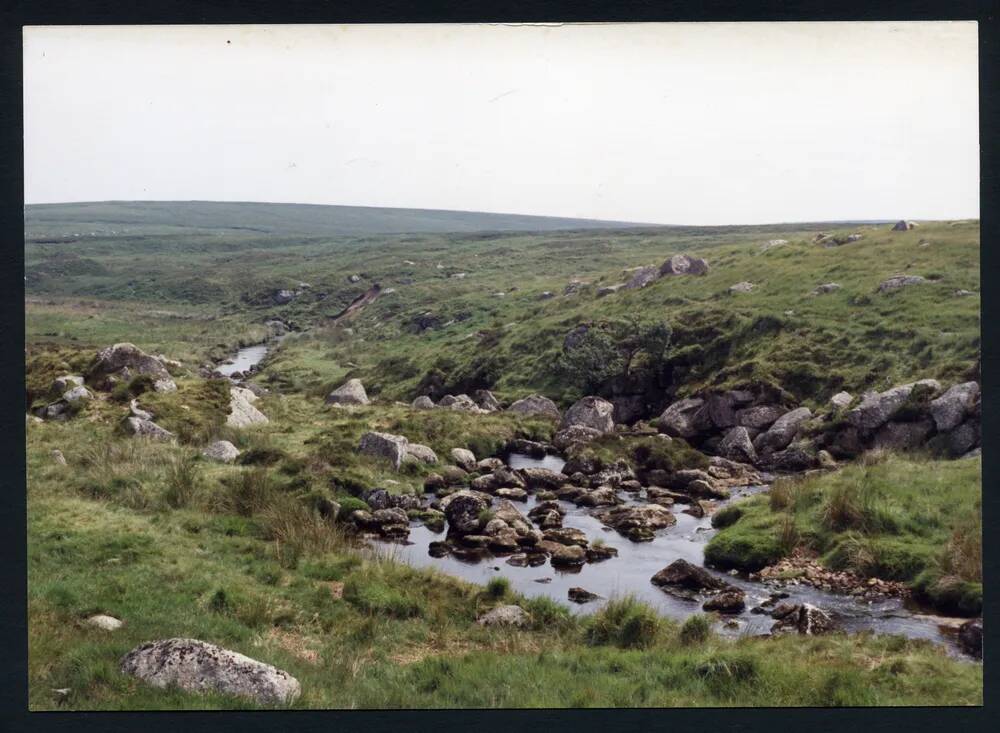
951 408
197 666
590 412
351 392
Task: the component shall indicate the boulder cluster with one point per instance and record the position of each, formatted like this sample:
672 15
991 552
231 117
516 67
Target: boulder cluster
760 429
640 277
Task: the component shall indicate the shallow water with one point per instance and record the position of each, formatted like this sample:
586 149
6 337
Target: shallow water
637 562
245 358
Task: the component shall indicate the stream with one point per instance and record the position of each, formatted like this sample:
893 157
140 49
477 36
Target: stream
637 562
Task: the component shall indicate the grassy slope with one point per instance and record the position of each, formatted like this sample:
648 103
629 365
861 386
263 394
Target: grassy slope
898 519
396 638
779 334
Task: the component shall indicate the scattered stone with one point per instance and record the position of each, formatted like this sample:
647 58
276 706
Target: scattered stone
122 362
140 428
464 458
826 288
197 666
58 457
222 450
902 226
505 616
962 293
486 400
899 281
841 400
643 277
104 622
352 392
77 394
242 412
636 522
421 453
164 385
609 290
741 287
423 402
729 601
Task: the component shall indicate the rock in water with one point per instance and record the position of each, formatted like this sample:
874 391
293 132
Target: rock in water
197 666
504 616
222 450
384 445
580 595
351 392
242 413
682 574
536 405
970 637
590 412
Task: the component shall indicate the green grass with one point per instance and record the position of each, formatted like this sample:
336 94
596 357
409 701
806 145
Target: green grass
243 556
909 519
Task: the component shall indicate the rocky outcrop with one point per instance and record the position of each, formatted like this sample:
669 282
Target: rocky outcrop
590 412
950 409
759 417
384 445
536 405
242 412
197 666
903 436
351 392
877 408
222 451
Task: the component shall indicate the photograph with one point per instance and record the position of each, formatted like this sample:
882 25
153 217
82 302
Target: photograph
438 366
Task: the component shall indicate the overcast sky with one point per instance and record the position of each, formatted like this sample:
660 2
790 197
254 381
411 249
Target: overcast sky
666 123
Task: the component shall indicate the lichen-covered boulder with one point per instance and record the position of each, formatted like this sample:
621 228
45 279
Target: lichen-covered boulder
737 446
423 402
384 445
122 362
574 435
759 417
683 265
351 392
877 408
222 451
782 432
197 666
951 408
242 412
590 412
463 509
536 405
421 453
505 616
685 418
139 428
464 458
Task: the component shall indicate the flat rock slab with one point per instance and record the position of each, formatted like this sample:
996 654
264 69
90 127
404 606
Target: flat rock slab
197 666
